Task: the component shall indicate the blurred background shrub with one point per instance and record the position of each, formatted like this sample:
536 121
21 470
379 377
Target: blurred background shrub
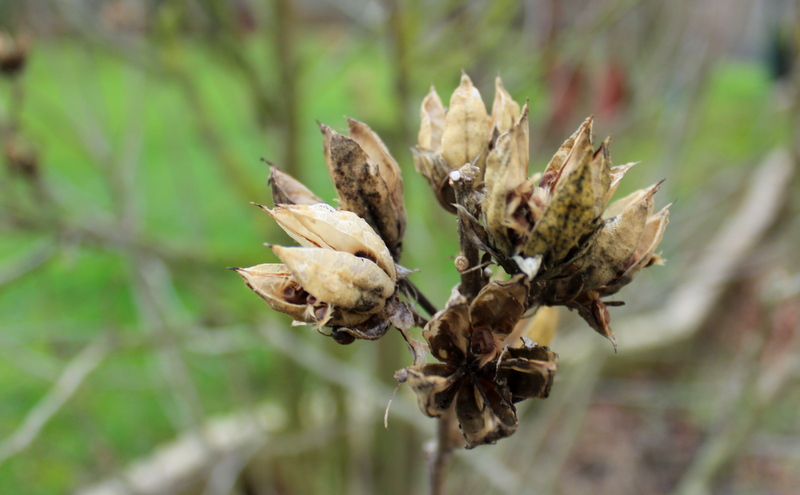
131 361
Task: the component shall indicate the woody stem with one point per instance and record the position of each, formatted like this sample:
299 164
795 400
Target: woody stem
440 459
462 181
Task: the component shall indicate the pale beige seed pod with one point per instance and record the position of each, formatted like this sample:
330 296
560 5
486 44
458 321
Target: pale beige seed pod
274 283
322 226
340 279
505 111
466 128
431 126
288 190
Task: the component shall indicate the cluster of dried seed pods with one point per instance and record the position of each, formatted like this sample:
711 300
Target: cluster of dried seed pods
553 233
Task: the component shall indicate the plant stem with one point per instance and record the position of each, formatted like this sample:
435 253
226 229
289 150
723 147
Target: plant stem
444 448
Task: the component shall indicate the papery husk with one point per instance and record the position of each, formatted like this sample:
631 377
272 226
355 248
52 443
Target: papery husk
466 129
322 226
289 191
506 169
553 168
270 281
505 111
645 252
340 279
431 126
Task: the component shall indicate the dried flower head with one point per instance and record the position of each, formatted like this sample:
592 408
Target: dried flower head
479 372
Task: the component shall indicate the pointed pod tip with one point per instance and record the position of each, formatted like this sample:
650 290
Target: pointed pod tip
233 268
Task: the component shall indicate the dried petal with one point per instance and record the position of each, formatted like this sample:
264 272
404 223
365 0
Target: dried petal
529 372
432 118
322 226
447 333
436 386
337 278
485 413
466 131
288 190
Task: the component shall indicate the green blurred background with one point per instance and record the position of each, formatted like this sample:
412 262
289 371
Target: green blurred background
133 362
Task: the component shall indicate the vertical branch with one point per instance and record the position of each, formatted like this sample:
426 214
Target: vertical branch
399 35
287 68
467 263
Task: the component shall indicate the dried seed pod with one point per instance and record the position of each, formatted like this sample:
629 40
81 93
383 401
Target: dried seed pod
448 333
506 170
289 191
432 118
644 255
360 187
322 226
617 240
569 215
529 371
466 128
275 284
505 111
340 279
617 173
389 172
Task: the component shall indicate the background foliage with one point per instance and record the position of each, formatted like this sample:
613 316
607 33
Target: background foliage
131 361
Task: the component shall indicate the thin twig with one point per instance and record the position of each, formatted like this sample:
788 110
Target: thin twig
75 372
